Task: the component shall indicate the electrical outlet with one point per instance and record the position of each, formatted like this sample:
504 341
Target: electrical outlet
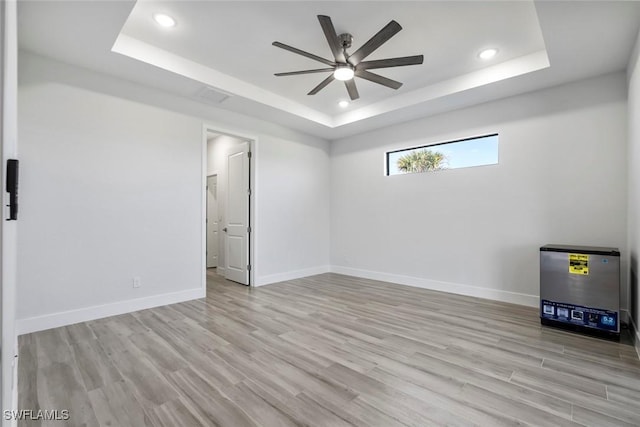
137 282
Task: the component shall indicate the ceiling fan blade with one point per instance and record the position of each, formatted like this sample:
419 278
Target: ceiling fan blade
332 38
352 89
295 73
391 62
376 78
303 53
381 37
322 85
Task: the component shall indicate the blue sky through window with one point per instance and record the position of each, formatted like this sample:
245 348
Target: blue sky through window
459 154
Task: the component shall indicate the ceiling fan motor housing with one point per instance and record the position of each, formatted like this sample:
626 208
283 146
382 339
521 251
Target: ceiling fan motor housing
345 40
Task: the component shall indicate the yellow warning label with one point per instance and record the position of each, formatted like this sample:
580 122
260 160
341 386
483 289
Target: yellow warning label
579 264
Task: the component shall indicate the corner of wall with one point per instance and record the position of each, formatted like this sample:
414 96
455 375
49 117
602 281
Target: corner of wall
633 299
635 335
633 189
634 59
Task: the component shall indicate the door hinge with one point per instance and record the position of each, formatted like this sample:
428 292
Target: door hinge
249 267
249 154
248 229
249 191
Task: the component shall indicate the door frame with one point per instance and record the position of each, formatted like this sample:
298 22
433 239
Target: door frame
206 220
253 173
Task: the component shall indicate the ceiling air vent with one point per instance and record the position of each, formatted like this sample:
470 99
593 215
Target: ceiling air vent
212 96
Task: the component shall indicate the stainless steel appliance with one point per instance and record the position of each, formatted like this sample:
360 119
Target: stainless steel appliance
580 288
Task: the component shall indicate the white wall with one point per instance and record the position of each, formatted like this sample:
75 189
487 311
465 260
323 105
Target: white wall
633 74
112 188
8 229
476 231
108 192
292 209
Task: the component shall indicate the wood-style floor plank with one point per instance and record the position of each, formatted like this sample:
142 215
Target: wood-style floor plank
328 350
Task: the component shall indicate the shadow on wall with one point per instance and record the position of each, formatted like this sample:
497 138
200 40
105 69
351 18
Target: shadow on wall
633 288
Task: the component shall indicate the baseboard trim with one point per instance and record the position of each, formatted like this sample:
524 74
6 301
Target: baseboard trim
435 285
64 318
291 275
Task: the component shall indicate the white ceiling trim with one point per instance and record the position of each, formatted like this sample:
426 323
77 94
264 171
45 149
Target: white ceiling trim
506 70
136 49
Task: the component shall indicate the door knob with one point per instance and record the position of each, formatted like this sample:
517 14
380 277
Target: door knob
224 229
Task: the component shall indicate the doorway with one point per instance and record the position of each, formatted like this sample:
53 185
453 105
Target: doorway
228 200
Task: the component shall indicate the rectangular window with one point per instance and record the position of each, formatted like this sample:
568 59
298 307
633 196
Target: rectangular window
463 153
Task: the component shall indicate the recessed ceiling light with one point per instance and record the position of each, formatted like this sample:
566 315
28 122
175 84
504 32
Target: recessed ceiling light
488 53
164 20
343 72
343 104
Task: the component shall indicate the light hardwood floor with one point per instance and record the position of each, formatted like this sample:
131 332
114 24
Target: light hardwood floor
328 350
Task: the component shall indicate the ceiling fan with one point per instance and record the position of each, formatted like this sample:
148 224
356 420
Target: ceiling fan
345 66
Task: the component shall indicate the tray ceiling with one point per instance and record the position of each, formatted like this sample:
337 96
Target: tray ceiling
227 46
219 55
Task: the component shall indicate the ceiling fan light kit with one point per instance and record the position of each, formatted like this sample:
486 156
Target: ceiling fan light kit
346 66
343 72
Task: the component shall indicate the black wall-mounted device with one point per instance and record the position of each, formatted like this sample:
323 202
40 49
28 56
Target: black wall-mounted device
12 188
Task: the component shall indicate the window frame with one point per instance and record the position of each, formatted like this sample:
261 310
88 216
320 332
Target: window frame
387 154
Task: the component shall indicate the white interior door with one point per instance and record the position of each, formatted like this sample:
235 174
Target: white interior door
212 222
237 220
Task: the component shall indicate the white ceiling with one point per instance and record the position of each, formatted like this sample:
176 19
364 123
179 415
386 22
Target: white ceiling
227 46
